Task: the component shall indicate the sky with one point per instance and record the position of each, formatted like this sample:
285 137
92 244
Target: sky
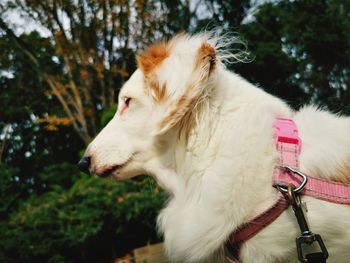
23 24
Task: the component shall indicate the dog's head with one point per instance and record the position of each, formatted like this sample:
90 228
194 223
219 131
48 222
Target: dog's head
170 80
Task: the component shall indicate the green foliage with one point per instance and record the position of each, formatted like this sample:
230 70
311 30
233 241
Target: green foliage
58 175
90 222
301 48
302 52
9 190
272 68
108 114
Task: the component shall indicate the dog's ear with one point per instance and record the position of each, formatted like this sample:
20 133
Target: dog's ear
148 61
203 66
152 57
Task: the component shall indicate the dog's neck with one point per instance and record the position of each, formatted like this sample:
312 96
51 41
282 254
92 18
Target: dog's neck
225 165
191 158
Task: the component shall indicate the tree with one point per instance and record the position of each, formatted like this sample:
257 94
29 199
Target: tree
320 46
94 43
89 49
301 50
28 145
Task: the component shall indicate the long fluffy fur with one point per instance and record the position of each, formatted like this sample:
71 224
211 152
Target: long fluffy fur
219 174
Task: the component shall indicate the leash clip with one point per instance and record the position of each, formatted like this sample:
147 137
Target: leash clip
320 256
306 237
298 189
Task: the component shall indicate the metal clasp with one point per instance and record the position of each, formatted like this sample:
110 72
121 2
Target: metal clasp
309 240
306 237
298 189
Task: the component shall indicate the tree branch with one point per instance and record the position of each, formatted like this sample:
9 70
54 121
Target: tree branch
5 131
82 132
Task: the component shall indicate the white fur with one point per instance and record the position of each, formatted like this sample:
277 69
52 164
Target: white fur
220 176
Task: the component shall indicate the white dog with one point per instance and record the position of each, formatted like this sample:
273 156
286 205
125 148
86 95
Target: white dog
206 136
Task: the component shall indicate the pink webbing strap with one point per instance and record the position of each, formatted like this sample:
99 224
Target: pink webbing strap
248 230
258 223
288 145
316 187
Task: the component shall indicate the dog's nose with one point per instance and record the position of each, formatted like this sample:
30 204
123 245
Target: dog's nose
84 164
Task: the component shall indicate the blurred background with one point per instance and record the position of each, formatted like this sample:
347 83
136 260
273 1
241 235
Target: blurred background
62 63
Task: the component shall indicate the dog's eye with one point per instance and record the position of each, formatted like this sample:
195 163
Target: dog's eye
127 101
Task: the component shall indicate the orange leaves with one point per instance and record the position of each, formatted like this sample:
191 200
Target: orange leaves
140 3
60 88
100 68
84 74
52 122
121 72
125 259
120 199
89 113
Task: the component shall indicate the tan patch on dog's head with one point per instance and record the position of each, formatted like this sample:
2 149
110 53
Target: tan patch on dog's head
342 173
152 57
181 107
206 57
180 110
159 92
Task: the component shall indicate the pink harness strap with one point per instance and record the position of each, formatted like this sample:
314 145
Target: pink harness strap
258 223
316 187
289 145
248 230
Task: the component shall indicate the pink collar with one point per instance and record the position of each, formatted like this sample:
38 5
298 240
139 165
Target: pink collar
289 145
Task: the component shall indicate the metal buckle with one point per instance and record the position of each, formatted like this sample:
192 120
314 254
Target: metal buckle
310 239
298 189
